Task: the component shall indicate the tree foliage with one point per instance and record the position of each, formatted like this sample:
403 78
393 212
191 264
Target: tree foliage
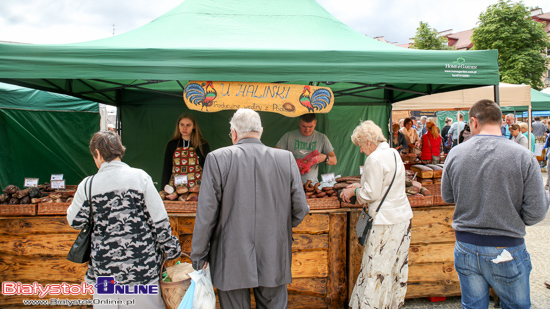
521 42
427 38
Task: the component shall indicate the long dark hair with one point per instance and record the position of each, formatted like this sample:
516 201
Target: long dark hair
197 139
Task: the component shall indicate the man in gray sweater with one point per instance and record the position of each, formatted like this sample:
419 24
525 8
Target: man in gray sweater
498 189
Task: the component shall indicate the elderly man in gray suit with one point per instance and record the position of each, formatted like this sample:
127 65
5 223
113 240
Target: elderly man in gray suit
251 197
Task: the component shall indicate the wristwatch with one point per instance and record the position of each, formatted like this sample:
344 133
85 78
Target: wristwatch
326 160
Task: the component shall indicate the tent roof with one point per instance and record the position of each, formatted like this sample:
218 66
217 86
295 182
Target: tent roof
510 95
540 101
15 97
244 40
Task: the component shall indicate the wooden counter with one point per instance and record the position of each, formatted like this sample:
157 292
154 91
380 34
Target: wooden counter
326 257
431 257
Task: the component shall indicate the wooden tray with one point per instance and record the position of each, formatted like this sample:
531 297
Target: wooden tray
438 201
435 189
17 210
52 208
422 174
421 201
425 181
323 203
180 207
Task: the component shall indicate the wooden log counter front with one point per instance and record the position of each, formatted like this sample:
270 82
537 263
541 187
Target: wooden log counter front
326 256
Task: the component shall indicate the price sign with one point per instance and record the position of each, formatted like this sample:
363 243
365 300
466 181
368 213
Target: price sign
31 182
56 177
180 180
327 177
361 170
58 184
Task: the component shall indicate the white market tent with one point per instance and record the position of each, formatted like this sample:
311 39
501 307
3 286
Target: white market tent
509 95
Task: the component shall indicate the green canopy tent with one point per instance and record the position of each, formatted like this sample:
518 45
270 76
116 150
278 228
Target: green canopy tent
143 72
44 133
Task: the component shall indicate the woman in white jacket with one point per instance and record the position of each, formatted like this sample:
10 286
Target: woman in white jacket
382 281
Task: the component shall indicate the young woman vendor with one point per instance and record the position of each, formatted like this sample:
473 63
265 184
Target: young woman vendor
185 152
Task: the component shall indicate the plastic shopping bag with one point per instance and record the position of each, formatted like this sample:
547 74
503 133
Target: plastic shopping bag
187 300
204 297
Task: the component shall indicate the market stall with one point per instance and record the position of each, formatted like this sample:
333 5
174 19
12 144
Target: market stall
44 133
144 73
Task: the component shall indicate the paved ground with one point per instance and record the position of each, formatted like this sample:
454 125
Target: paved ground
538 245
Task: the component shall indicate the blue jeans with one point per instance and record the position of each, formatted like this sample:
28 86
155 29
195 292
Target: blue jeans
477 273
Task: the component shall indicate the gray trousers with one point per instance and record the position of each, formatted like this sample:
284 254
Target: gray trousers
268 298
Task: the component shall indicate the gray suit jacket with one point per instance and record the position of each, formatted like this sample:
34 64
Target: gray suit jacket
251 197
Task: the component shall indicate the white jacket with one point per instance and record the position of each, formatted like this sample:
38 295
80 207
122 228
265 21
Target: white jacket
377 175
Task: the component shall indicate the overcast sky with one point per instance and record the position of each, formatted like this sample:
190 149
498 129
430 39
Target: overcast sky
68 21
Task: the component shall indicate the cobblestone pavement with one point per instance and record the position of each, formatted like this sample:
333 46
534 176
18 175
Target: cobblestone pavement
538 245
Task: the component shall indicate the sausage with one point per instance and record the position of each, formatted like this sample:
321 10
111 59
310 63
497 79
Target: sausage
348 178
316 188
308 194
321 194
340 185
195 189
172 197
163 195
328 188
182 190
309 187
329 192
192 197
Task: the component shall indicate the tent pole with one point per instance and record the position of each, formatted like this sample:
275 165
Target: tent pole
496 94
458 126
390 128
529 126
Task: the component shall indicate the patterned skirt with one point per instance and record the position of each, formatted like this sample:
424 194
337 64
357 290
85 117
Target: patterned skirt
382 281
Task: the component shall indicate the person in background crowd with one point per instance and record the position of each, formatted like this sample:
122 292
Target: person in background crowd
421 127
399 141
524 127
492 210
465 134
411 135
431 144
382 281
131 233
505 129
305 140
401 123
251 198
445 133
456 128
185 152
414 125
516 135
539 128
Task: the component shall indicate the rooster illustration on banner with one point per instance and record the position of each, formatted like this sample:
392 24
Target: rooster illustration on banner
286 99
316 101
200 96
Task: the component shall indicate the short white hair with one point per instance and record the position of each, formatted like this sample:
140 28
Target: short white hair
367 131
424 118
246 121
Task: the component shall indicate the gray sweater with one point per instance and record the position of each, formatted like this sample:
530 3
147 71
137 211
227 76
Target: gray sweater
496 185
